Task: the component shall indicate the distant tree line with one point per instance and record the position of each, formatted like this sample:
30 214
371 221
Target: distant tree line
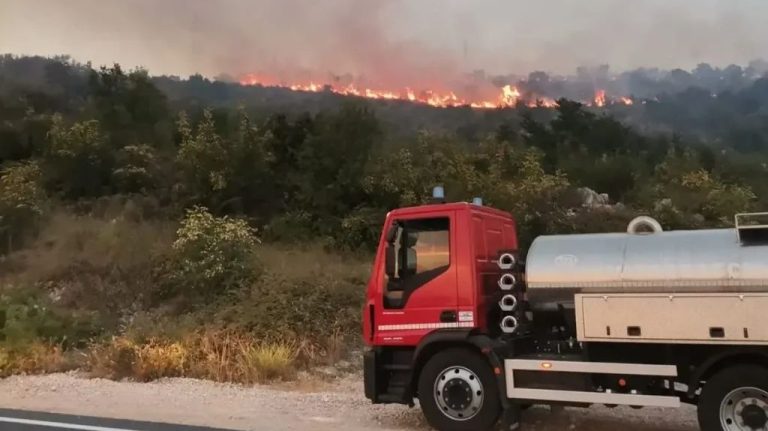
71 134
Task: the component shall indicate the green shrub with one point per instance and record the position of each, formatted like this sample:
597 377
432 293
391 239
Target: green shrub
28 316
211 255
291 227
360 229
136 169
22 199
311 307
78 159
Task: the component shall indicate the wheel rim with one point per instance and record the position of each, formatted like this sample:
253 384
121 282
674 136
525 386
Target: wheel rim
459 393
745 409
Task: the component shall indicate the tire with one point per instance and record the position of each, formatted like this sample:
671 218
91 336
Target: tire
728 391
474 376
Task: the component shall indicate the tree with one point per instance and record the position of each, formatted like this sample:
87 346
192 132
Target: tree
224 172
683 194
22 200
77 159
130 107
202 160
136 169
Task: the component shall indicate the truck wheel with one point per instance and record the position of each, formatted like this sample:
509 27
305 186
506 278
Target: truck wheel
735 399
458 392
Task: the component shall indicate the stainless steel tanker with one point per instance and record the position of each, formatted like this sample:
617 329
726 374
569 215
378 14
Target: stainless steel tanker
714 260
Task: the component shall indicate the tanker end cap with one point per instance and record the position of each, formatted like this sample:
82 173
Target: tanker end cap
644 225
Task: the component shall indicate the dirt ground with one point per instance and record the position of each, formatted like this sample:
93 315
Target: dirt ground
336 406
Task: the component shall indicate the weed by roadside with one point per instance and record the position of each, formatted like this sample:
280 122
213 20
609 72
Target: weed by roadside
36 358
222 356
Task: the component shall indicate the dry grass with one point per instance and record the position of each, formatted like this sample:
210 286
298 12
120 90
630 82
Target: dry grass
68 239
312 260
35 358
93 264
222 356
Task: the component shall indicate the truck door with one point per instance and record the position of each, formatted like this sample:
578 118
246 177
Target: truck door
418 283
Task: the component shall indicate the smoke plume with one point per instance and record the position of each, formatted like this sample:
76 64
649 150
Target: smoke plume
419 43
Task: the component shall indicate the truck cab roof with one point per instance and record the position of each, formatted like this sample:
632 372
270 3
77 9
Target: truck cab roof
457 206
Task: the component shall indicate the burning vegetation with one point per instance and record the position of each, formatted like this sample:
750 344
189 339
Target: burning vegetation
508 95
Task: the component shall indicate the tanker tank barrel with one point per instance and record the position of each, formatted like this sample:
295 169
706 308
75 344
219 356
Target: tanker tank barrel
646 259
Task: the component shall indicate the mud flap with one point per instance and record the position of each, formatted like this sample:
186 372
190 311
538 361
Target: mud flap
510 417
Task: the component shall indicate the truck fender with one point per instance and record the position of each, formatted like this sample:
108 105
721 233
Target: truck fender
480 343
728 357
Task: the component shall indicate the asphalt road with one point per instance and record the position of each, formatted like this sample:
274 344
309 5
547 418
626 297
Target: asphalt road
21 420
336 406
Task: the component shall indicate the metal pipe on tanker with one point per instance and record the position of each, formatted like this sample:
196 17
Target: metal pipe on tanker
509 324
508 302
507 281
506 261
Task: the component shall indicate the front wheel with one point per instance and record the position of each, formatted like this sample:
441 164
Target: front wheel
735 399
458 392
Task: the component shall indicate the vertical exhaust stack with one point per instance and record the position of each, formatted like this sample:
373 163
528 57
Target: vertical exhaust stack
506 261
511 300
507 281
509 324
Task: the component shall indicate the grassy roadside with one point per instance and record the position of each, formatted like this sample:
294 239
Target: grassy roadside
121 297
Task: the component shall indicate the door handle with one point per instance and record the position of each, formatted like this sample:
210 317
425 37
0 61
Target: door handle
448 316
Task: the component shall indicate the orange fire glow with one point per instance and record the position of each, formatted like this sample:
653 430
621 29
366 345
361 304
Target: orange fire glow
599 98
509 96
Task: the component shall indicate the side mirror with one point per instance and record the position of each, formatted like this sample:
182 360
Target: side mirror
390 259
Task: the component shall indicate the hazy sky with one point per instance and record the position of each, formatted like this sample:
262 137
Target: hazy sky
387 39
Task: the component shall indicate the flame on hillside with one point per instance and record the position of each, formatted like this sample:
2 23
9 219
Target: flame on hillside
509 95
600 98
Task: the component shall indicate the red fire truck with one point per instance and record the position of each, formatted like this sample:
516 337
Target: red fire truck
456 319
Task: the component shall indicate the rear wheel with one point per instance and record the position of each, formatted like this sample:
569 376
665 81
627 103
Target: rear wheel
458 392
735 399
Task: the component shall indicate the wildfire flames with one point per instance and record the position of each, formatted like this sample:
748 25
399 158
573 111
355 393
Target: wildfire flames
600 98
510 95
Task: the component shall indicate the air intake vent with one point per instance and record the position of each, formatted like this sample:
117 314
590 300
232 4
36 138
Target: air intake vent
752 228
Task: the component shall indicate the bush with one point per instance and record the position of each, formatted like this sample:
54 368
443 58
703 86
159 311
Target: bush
291 227
360 229
211 255
279 307
22 199
136 169
78 159
34 358
27 316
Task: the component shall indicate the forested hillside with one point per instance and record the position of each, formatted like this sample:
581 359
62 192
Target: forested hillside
147 216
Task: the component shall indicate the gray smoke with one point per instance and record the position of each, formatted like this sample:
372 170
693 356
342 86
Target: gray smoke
393 42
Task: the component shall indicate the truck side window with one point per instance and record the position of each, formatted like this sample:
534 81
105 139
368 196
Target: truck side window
421 252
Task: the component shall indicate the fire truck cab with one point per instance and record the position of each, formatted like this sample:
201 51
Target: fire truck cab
456 319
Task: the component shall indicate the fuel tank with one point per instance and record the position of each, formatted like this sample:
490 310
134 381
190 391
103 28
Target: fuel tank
715 260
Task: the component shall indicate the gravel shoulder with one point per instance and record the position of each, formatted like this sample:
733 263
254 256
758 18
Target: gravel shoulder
308 404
